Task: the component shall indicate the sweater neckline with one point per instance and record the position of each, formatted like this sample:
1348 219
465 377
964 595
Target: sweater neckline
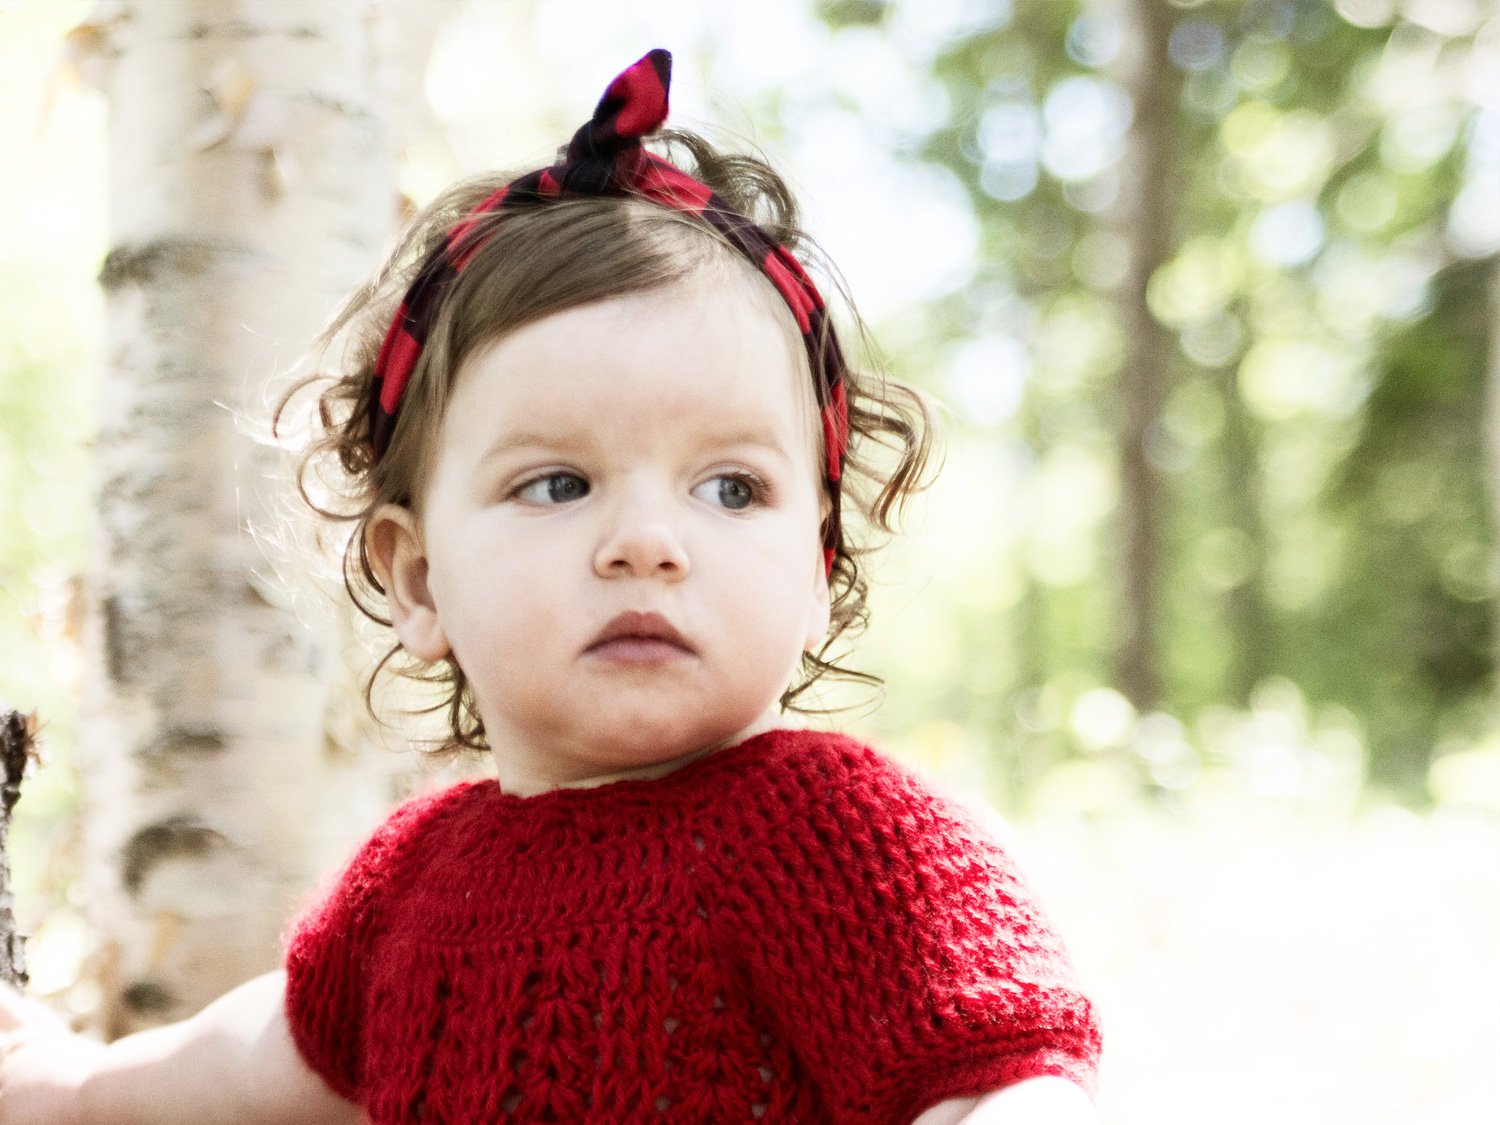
631 789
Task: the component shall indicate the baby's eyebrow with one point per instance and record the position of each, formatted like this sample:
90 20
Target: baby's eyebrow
734 435
747 435
532 439
750 425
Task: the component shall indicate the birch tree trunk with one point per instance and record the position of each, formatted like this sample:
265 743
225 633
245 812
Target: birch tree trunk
251 186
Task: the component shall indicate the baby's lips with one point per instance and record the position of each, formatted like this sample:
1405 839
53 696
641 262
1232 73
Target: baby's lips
635 625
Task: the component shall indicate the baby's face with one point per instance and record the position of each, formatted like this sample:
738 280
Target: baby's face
621 533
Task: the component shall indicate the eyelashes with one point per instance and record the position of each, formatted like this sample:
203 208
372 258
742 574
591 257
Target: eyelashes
552 488
735 491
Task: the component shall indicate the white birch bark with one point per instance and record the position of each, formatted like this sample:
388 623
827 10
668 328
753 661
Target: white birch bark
251 186
406 32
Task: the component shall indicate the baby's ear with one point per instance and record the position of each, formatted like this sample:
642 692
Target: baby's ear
818 611
393 543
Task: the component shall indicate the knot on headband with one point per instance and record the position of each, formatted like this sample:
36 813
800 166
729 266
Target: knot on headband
606 158
633 107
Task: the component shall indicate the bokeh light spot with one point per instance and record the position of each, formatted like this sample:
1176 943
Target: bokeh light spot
1009 182
1280 379
988 377
1194 413
1196 44
1086 121
1101 718
1417 138
1225 558
1367 202
1077 340
1213 341
1195 284
1288 234
1094 38
1259 65
1366 13
1011 133
1281 155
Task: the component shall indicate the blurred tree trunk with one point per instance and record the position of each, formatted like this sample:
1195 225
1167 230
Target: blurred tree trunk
1250 627
251 185
1150 351
1492 430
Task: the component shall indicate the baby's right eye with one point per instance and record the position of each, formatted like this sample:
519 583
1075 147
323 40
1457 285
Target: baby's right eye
554 488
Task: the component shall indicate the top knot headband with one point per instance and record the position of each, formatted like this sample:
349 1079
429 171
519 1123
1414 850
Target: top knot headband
606 158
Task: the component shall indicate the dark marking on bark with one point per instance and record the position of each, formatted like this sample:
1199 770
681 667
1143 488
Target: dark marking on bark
175 837
229 29
141 263
115 647
148 997
187 740
244 29
341 106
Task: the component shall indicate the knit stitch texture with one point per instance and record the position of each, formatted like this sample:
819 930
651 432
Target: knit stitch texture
791 929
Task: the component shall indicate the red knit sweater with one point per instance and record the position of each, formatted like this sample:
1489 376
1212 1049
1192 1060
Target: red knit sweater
791 929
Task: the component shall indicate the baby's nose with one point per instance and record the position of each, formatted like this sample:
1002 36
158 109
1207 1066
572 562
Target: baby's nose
642 541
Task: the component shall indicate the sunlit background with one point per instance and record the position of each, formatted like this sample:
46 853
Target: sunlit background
1281 875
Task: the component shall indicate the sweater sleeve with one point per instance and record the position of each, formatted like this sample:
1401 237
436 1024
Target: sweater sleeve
328 951
895 945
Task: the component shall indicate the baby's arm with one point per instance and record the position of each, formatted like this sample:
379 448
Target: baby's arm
1034 1101
234 1062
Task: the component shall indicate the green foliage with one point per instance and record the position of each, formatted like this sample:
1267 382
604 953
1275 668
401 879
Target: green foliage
1405 635
1321 448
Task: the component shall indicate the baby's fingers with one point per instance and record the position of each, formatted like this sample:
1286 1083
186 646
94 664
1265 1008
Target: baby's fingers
16 1011
42 1072
12 1008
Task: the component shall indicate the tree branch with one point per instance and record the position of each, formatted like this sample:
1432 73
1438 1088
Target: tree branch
16 734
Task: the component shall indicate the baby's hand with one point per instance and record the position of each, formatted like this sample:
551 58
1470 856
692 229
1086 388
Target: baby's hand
42 1064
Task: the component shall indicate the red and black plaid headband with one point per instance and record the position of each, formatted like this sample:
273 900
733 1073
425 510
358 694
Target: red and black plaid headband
606 158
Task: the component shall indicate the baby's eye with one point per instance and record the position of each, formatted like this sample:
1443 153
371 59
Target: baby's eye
554 488
735 491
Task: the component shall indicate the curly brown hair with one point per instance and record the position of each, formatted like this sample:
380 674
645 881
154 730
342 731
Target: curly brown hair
543 260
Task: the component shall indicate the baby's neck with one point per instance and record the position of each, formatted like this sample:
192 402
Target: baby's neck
520 778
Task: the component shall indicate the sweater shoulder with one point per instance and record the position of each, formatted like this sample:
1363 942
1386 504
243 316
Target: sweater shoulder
830 796
420 813
365 877
805 769
415 819
877 904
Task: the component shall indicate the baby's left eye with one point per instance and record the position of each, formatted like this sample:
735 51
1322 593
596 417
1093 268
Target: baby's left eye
554 488
733 491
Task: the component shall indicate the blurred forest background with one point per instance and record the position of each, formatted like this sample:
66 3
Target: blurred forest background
1205 598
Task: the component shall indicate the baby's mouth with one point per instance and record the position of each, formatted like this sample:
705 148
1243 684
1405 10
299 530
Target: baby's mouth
639 638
